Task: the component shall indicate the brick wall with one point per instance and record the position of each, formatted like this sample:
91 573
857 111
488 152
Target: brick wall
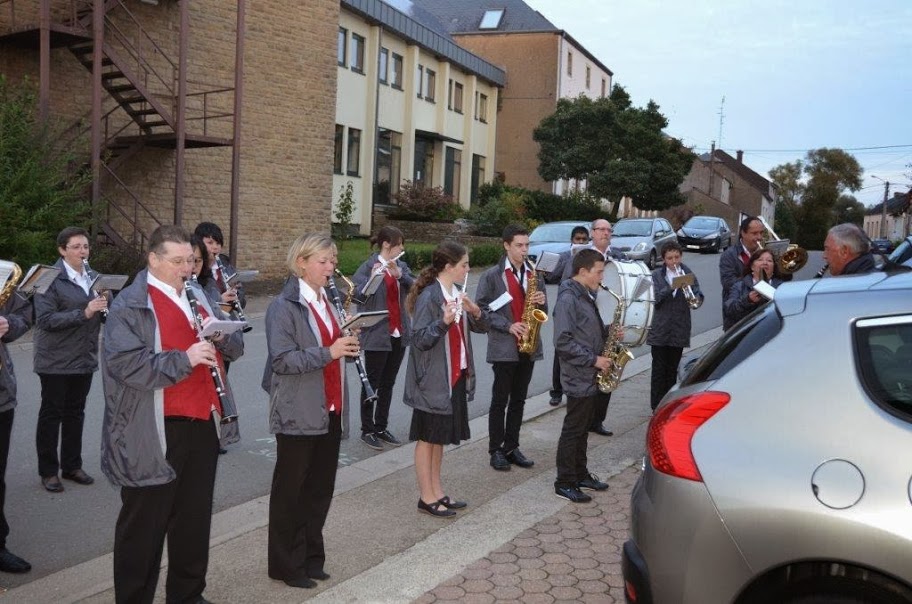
288 117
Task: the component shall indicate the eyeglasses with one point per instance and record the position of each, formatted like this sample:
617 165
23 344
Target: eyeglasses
602 229
78 246
178 261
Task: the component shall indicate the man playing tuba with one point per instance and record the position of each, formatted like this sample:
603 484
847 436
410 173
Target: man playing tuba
508 293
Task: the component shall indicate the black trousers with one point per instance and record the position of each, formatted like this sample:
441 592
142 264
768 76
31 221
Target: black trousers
180 509
508 399
599 409
665 361
557 390
574 438
6 430
302 490
382 367
60 420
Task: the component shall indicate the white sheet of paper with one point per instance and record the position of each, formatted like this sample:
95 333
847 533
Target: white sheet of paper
226 327
765 289
504 299
547 262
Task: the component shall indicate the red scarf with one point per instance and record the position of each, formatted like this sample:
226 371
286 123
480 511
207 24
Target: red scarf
332 373
454 337
392 303
518 303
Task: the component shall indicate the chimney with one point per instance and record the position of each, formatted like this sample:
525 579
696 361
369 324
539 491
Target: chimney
740 156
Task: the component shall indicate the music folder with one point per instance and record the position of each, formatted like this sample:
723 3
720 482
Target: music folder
547 262
370 288
364 319
682 281
114 283
38 279
243 277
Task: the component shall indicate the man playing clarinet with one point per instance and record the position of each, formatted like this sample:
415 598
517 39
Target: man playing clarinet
161 427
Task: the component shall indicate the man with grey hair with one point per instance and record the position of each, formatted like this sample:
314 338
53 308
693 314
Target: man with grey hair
848 251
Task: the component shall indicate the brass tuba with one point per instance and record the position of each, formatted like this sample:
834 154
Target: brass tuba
532 317
793 258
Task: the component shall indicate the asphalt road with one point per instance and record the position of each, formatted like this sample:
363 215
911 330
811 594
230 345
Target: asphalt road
55 531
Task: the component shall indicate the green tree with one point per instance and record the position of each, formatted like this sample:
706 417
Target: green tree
618 149
848 209
39 193
827 174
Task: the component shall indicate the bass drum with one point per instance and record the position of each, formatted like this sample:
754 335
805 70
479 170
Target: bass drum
632 281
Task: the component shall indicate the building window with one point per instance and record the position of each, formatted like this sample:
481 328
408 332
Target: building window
604 86
424 162
491 19
340 46
588 76
478 175
419 81
569 63
452 172
431 85
457 97
357 53
354 152
396 75
383 65
481 110
389 166
450 95
337 157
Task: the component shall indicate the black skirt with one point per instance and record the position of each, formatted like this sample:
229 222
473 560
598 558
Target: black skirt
441 429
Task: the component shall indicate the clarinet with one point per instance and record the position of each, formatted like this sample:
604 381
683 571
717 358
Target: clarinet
235 304
822 271
104 311
369 395
216 372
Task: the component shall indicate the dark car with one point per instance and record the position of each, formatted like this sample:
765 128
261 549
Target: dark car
705 234
881 246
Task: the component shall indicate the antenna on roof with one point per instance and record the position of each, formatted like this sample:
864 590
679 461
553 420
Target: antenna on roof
721 119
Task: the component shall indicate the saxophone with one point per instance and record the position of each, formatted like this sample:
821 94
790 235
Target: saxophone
616 352
532 317
10 287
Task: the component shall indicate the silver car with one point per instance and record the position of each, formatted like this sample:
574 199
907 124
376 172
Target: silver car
779 471
642 238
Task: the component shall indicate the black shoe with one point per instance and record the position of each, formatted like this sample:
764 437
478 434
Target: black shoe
202 600
78 476
451 504
52 484
435 509
303 583
370 439
555 401
11 563
388 438
592 483
499 461
572 494
600 429
516 458
222 450
319 575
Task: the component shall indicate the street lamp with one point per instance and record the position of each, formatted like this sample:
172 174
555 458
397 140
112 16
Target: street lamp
883 210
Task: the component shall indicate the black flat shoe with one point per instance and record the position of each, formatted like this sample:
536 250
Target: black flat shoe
435 509
516 458
11 563
499 461
78 476
319 575
303 583
52 484
451 504
600 429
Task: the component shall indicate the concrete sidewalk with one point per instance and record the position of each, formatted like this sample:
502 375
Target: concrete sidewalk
516 541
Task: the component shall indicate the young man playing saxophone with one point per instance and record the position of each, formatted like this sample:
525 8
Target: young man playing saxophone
512 368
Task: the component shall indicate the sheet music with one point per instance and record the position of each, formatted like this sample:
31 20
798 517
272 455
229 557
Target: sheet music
109 283
244 276
501 301
38 279
547 262
765 289
370 288
682 280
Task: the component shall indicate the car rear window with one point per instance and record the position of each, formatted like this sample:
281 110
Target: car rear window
743 340
883 351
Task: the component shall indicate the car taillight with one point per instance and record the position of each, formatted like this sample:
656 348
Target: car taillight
672 428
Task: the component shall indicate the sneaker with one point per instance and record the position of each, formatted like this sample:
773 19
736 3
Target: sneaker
370 439
388 438
572 494
592 483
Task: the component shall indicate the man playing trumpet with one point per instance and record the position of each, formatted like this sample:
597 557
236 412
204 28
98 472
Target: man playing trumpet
512 368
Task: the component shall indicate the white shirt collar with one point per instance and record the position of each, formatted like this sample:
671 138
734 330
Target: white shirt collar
308 294
164 287
79 278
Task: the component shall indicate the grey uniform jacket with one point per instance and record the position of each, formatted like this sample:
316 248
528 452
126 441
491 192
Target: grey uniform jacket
579 338
731 268
737 304
65 341
135 371
671 314
427 379
18 311
377 337
230 270
501 343
293 375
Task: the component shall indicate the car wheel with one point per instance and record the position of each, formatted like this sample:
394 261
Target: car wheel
652 259
844 590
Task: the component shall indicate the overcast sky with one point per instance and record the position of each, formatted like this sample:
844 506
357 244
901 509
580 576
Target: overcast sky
795 75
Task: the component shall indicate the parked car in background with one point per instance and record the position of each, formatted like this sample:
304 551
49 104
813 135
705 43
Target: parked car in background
642 238
553 236
778 475
881 246
705 234
903 253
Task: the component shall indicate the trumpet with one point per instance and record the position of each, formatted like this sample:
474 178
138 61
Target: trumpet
98 294
693 300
